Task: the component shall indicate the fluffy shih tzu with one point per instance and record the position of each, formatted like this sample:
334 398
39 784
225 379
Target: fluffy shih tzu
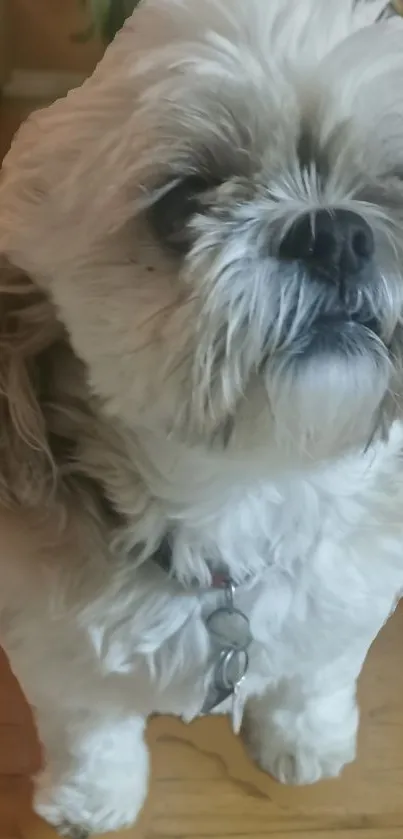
201 349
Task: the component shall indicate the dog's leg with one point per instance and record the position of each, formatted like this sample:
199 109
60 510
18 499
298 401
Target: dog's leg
300 735
305 727
96 771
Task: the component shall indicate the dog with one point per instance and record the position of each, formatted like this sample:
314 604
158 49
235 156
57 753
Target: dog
201 382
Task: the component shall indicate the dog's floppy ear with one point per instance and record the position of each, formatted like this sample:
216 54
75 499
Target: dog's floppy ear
30 340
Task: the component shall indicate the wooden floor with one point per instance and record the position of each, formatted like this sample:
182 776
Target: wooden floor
203 785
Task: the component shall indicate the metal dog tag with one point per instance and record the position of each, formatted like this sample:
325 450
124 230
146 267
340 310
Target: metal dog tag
230 628
229 674
215 698
231 669
238 703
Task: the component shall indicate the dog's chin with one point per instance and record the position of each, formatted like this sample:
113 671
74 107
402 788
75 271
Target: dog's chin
327 390
340 335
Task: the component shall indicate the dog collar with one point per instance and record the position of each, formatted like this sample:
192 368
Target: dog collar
230 636
220 579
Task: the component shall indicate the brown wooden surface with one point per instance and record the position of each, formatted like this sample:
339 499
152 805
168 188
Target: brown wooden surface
203 785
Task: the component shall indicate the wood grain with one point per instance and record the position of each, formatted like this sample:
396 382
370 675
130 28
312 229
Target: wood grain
204 786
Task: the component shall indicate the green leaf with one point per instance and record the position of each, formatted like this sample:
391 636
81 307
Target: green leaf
99 11
108 17
115 19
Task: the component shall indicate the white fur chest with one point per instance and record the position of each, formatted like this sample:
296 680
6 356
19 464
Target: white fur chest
304 552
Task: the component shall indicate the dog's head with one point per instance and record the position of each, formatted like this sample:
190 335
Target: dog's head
217 216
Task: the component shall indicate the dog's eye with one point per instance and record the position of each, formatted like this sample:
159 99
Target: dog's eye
171 214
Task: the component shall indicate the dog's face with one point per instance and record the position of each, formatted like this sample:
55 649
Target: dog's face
218 215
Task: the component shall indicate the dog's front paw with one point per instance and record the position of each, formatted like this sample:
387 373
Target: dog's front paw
71 831
302 765
78 809
292 757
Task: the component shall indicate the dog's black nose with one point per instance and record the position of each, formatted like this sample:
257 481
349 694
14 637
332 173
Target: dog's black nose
334 244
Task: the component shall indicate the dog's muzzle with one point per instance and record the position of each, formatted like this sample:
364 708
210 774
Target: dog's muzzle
335 247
